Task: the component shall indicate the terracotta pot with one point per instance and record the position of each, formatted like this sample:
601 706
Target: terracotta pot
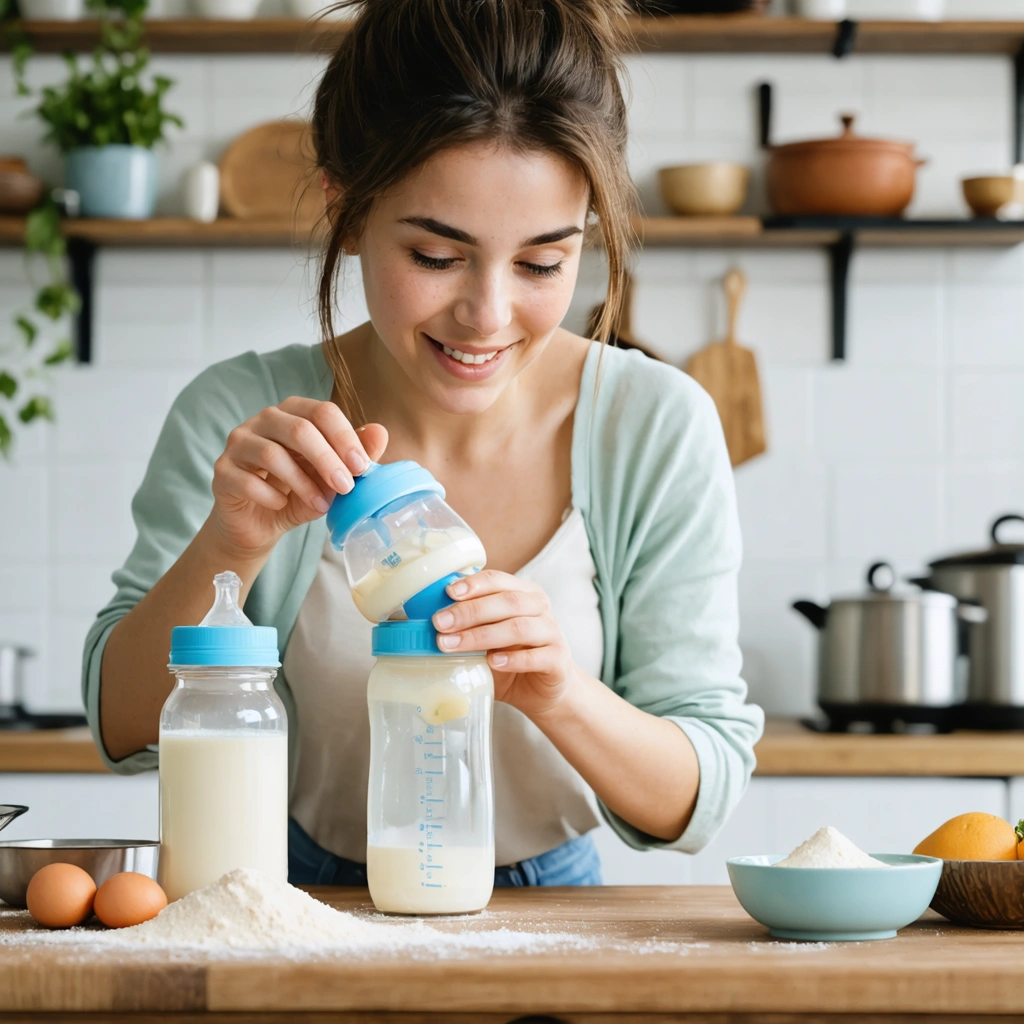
844 176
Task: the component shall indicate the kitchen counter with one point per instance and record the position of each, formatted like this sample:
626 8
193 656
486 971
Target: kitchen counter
655 952
787 749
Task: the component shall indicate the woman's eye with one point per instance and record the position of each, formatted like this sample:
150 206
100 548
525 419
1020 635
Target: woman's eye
543 270
433 262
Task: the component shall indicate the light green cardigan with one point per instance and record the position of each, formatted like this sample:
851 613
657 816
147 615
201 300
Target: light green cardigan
651 476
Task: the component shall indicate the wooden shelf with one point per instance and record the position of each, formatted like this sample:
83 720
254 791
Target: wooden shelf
705 34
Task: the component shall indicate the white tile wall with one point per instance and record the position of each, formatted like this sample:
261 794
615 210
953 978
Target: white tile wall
905 452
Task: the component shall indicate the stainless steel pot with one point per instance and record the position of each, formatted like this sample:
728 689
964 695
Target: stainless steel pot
891 656
993 577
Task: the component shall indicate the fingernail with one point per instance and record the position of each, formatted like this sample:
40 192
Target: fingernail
321 505
444 619
499 659
341 482
356 461
458 589
449 643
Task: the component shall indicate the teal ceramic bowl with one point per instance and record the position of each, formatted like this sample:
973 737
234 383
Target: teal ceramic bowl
835 904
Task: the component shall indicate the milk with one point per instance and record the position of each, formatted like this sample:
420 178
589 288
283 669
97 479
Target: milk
451 880
223 805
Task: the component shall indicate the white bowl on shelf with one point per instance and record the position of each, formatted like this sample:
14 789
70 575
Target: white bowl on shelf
52 10
227 10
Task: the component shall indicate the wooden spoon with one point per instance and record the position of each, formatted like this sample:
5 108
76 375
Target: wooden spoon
728 372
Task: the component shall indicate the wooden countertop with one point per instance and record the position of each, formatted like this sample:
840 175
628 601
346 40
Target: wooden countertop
655 951
787 749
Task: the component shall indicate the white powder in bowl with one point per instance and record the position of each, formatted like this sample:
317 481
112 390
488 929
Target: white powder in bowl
829 848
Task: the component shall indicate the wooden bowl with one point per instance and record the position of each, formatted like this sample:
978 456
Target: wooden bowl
982 893
987 195
704 190
19 191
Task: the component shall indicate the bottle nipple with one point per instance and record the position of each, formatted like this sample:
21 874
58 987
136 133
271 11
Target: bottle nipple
225 610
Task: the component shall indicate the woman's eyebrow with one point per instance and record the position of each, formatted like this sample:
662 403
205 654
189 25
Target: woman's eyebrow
436 227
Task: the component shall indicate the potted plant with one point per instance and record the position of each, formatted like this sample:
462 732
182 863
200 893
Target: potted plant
106 119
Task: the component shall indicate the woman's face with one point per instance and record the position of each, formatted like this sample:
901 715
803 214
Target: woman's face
469 267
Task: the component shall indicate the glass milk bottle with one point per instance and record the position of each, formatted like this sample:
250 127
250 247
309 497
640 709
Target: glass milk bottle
430 808
223 751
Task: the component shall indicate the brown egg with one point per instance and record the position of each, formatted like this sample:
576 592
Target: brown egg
128 898
60 895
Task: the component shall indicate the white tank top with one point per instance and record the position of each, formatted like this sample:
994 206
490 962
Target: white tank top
540 800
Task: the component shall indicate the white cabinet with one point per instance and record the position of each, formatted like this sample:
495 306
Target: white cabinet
890 815
83 806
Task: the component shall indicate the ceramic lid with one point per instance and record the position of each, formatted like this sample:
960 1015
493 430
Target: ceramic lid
849 141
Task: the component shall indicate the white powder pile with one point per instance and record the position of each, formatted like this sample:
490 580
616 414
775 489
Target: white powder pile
829 848
246 913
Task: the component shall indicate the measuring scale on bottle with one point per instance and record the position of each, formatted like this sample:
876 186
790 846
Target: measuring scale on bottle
430 800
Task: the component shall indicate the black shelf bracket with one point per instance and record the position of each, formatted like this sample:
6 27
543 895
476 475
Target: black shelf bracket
1018 106
840 253
846 38
82 257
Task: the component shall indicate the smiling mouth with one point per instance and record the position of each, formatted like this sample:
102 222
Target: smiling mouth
466 358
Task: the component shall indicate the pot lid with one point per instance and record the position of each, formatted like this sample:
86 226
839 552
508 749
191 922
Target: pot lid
883 588
1001 552
848 142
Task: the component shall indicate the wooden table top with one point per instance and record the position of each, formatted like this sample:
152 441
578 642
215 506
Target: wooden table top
787 749
654 951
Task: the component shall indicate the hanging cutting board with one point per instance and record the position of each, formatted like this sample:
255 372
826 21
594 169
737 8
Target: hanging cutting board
270 173
728 372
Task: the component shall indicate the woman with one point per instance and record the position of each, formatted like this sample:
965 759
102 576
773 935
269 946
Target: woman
464 145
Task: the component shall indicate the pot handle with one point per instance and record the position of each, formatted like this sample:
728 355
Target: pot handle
813 613
764 113
1012 517
873 573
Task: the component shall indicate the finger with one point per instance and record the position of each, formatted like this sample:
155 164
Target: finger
340 435
253 451
304 438
524 631
528 659
487 581
495 607
374 438
231 481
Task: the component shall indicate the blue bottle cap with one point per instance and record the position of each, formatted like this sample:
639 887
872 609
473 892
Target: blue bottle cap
430 600
225 646
376 488
415 638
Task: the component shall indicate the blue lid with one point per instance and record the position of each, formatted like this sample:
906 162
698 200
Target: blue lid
225 646
373 490
430 600
415 638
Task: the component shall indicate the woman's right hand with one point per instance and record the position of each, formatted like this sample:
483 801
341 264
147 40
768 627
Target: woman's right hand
282 469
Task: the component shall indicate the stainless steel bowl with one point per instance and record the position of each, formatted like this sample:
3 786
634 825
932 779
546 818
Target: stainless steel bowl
20 860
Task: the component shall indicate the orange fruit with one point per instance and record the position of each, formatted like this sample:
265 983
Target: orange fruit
974 836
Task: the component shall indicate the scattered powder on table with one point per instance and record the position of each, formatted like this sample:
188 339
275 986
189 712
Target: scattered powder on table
246 912
829 848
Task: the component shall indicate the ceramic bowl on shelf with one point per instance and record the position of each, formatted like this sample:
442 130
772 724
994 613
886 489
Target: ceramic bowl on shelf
715 189
982 893
988 194
835 904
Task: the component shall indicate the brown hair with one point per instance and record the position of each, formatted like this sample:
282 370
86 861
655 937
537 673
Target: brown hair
413 77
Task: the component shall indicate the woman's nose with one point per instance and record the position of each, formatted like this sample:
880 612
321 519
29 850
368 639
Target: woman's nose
486 308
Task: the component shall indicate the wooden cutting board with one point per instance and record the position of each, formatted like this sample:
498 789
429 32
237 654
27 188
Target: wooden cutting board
728 372
270 173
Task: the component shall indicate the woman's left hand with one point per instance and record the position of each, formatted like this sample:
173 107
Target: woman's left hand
511 619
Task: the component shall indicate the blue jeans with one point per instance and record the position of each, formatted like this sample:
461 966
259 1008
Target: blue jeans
573 863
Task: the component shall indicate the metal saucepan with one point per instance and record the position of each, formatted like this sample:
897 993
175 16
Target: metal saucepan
20 860
891 655
8 812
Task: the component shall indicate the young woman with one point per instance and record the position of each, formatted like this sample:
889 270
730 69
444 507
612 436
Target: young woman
464 146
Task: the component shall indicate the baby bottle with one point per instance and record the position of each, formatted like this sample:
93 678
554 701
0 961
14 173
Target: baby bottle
430 808
400 542
223 751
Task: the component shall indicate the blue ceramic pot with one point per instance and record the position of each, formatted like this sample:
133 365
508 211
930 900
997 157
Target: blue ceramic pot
114 181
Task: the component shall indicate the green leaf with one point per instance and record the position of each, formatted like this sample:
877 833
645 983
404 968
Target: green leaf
61 353
54 300
6 439
28 329
8 385
42 228
37 407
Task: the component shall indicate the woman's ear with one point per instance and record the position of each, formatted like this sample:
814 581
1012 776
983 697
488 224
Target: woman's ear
331 192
